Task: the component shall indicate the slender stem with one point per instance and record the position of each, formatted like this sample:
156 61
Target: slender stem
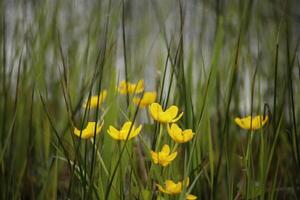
101 160
159 138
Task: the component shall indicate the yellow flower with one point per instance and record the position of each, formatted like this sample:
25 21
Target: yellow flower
131 88
163 157
94 100
147 99
172 188
123 133
179 135
257 122
168 116
89 131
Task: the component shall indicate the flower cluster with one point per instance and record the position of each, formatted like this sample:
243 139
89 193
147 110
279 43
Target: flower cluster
169 117
166 117
129 130
97 100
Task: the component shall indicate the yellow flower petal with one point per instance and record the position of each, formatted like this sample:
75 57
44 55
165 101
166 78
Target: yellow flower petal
154 156
177 118
172 111
172 156
135 132
114 133
155 109
166 149
127 125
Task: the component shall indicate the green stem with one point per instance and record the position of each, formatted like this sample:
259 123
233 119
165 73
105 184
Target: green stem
101 160
159 138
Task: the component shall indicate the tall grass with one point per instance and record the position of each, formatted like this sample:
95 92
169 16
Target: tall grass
215 60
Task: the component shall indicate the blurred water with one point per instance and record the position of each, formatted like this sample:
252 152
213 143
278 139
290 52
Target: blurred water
146 45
